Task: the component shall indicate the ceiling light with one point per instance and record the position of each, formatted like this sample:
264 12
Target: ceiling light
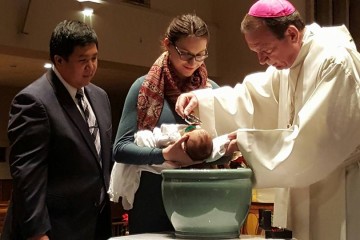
88 12
47 65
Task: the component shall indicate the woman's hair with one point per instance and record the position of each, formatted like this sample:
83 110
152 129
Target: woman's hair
277 25
186 25
69 34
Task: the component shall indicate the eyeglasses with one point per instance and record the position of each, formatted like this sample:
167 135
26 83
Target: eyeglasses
186 56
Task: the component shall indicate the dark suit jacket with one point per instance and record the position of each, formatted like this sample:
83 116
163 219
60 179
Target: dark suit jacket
54 164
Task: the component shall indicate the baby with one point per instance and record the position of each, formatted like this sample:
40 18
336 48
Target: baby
198 146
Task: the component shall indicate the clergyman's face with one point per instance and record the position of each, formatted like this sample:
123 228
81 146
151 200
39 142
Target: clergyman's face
280 53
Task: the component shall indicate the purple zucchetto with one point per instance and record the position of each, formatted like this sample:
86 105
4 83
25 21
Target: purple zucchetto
271 8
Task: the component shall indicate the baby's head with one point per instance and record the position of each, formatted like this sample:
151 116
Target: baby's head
199 146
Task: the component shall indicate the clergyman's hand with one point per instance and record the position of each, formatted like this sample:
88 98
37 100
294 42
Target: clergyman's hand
232 146
186 103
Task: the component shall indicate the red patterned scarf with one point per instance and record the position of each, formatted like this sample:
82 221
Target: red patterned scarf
161 83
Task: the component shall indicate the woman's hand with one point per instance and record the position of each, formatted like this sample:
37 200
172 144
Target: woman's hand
175 154
186 103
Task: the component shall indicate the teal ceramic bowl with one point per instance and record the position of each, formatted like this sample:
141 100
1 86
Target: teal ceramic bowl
207 203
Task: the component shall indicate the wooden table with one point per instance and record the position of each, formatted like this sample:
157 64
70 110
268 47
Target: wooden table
251 225
3 210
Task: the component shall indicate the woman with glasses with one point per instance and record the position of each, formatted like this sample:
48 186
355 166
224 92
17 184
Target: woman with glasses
151 102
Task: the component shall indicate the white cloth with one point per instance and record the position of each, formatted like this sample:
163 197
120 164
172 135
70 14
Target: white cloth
125 178
310 160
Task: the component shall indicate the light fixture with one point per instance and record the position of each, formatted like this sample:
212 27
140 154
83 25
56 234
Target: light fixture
88 12
47 65
88 8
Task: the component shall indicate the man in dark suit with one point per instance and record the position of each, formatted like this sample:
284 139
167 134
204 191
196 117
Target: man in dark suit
60 162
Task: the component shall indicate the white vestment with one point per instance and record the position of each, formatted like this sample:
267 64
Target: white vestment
299 129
